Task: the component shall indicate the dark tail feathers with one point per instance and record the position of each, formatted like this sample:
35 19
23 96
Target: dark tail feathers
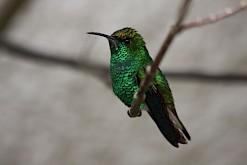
173 130
168 123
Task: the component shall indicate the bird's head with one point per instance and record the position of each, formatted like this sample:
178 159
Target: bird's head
126 39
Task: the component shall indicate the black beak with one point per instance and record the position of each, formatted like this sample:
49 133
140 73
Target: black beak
110 38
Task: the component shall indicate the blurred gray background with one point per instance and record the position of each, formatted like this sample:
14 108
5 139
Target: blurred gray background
58 115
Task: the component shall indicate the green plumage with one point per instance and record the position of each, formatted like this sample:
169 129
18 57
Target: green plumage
129 58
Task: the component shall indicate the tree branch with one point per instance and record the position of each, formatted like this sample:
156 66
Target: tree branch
102 72
139 97
212 18
178 27
97 70
7 10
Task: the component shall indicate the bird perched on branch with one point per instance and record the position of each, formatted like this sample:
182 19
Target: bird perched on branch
129 58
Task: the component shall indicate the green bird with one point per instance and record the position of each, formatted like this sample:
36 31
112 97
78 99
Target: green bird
129 58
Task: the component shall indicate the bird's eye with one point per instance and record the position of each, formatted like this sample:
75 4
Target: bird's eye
127 41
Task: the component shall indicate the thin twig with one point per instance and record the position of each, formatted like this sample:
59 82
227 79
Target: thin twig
139 97
7 10
212 18
102 72
97 70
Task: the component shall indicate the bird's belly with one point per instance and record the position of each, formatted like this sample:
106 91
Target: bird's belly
124 85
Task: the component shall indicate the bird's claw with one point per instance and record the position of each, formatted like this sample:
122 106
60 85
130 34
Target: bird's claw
134 115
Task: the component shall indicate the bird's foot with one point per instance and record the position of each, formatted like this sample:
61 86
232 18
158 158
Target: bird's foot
132 114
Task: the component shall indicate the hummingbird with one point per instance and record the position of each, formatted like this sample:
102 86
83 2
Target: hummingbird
129 58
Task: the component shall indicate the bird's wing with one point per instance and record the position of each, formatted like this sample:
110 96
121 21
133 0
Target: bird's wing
161 108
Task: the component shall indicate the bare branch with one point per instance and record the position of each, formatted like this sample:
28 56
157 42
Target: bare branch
178 27
139 97
7 10
97 70
212 18
102 72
